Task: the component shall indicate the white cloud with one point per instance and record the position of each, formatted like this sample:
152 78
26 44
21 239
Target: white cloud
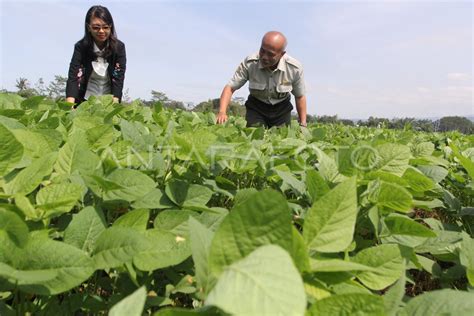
423 90
459 76
362 101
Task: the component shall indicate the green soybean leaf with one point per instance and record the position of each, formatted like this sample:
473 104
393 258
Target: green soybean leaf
441 302
336 265
290 182
349 287
443 244
131 305
118 245
393 297
264 283
243 195
26 207
137 219
202 311
65 266
167 249
11 150
329 223
390 195
316 185
15 276
386 177
467 163
155 199
423 149
174 221
299 251
195 146
328 168
348 304
75 156
436 173
201 239
133 185
56 199
10 101
30 178
187 195
13 227
137 134
402 225
100 137
388 262
418 181
264 218
393 158
466 257
84 229
34 144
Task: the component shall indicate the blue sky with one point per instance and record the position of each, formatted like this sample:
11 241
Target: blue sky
361 58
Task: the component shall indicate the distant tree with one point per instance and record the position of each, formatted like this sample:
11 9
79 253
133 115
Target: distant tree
204 106
157 96
327 119
346 122
212 105
401 123
376 122
311 118
424 125
175 105
24 88
57 87
22 84
239 100
456 123
41 87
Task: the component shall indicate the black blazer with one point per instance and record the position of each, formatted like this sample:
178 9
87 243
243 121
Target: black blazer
80 69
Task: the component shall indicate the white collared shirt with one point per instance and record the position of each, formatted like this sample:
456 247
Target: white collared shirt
99 81
270 86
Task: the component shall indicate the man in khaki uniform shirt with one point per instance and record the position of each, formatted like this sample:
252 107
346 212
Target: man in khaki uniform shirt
272 75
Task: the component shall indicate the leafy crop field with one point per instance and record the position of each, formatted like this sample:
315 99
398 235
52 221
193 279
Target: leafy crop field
132 210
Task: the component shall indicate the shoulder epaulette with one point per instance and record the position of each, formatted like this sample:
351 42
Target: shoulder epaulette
293 62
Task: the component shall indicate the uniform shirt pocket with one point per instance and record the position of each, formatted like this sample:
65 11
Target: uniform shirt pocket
258 90
257 86
283 90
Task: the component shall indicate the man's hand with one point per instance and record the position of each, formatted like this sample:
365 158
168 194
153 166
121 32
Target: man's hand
301 109
221 118
224 101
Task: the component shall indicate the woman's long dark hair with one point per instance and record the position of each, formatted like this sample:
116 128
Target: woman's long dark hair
87 41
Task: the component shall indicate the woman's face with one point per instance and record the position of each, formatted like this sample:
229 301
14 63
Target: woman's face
100 30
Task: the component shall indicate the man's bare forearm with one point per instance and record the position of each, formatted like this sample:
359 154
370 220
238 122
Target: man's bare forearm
301 109
224 101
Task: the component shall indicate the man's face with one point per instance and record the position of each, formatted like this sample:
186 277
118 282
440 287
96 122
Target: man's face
270 56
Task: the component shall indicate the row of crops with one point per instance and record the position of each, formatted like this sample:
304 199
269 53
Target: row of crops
133 210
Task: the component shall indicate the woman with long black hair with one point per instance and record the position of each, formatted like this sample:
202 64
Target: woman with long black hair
98 63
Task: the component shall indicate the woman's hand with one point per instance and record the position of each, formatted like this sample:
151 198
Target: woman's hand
221 118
